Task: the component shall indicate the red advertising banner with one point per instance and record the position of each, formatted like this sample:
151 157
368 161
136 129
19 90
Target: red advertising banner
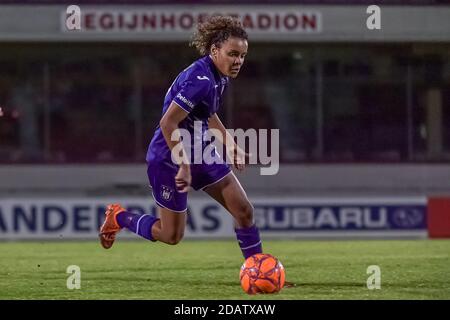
439 217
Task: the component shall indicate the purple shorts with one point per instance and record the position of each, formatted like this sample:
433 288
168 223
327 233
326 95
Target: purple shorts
161 176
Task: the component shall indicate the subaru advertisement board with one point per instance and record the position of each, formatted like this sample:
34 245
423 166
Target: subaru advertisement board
80 218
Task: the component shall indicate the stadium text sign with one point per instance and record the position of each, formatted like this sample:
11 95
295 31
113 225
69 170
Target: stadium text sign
145 20
343 217
80 218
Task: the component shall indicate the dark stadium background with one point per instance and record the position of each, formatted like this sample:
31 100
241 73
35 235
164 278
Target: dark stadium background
364 119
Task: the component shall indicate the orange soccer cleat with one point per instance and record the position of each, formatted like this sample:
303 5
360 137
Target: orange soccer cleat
110 227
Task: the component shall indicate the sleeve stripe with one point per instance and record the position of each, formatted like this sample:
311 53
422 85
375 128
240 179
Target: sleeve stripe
184 108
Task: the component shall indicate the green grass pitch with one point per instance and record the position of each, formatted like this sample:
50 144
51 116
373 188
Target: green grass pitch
413 269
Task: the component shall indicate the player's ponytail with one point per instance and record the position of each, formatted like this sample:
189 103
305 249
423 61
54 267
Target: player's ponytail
216 30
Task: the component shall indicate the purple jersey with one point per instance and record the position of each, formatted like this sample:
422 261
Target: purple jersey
198 90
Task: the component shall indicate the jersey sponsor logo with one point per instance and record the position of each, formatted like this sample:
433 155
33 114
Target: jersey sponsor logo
185 100
202 78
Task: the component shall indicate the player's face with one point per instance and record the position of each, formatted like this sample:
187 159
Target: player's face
230 56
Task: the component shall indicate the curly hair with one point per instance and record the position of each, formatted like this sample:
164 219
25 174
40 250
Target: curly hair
216 30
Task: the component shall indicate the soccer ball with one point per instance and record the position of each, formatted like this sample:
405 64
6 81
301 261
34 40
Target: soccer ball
262 273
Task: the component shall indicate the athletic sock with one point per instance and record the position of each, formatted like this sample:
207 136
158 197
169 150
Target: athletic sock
249 241
141 224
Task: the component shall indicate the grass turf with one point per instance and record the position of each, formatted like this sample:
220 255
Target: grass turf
415 269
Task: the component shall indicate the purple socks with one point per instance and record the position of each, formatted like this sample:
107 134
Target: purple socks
141 224
249 241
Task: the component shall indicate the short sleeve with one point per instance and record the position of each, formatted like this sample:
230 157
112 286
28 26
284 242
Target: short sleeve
193 90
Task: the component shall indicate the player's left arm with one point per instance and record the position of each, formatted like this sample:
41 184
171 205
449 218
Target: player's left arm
237 155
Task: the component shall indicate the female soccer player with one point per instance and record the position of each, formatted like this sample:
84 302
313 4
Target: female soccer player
195 95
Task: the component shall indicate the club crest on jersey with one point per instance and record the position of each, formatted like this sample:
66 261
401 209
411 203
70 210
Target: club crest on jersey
166 192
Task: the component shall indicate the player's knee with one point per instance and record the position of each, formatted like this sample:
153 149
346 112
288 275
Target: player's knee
175 238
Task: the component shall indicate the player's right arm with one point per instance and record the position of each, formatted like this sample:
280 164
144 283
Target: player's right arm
192 90
168 124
